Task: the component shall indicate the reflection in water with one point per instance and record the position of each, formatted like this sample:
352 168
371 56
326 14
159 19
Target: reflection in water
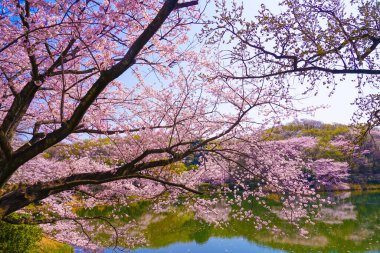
337 214
352 224
230 245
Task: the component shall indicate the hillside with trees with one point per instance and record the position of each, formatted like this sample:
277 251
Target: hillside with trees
341 143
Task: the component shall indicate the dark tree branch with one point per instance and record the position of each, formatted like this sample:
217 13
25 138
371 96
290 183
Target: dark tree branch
186 4
112 132
5 146
165 182
23 100
301 70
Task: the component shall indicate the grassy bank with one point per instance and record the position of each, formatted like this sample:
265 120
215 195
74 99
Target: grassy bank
51 246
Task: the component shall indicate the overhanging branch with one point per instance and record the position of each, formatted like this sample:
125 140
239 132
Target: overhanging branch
186 4
169 183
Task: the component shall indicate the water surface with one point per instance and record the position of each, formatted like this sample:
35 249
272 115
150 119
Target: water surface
352 224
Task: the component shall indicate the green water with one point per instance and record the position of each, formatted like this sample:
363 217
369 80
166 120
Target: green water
352 224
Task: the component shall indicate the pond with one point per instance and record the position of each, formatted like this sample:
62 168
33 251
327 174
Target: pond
352 224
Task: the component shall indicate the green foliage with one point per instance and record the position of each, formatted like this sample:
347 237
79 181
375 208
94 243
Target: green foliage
19 238
327 132
133 210
323 132
102 210
168 229
179 167
50 246
326 151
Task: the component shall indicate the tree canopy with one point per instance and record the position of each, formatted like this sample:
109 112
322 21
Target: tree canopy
311 42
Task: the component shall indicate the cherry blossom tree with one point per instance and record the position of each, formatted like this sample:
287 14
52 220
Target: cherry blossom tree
83 123
60 61
60 64
317 43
